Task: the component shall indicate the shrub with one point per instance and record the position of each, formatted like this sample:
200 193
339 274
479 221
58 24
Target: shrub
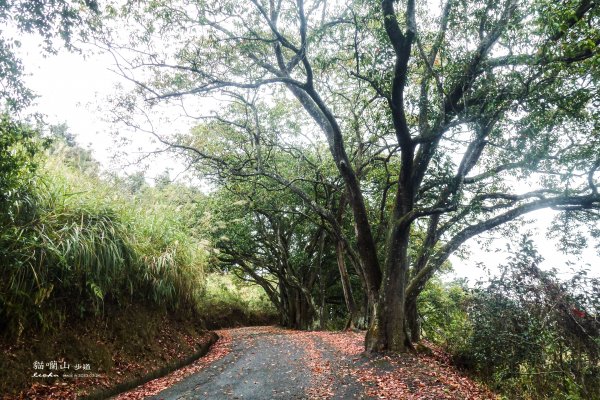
442 309
533 336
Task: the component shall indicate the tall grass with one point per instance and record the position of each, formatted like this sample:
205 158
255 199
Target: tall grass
71 243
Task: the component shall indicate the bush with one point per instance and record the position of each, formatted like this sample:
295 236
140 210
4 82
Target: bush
533 336
442 309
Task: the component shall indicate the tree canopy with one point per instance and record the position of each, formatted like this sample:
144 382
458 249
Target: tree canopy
440 122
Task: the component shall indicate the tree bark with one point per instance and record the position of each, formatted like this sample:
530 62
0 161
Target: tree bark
412 320
345 278
286 307
346 288
388 330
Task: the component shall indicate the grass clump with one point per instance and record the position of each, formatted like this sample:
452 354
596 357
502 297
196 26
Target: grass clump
70 243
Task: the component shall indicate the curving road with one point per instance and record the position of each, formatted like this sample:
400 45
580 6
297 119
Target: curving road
270 363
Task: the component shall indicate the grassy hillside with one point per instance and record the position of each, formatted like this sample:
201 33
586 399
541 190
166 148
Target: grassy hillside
72 243
100 270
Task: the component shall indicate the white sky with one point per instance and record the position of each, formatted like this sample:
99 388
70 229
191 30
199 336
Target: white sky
74 88
70 88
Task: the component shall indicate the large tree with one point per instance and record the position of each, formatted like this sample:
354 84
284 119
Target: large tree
443 121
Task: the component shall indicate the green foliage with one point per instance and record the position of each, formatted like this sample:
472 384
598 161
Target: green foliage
228 301
77 244
532 336
19 144
51 19
443 317
228 288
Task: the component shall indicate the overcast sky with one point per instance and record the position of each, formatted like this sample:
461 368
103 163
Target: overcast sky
73 89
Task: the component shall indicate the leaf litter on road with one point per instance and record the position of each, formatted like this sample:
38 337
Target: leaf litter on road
333 359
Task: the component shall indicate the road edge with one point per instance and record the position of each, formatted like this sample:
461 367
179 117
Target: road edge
158 373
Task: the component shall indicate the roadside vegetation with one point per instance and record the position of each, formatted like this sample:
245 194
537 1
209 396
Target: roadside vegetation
72 244
524 332
79 249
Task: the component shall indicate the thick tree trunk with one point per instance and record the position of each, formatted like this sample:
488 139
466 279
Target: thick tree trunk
307 313
300 312
388 329
297 312
292 310
322 313
286 312
366 313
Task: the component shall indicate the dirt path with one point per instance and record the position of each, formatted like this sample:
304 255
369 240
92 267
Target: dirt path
273 363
